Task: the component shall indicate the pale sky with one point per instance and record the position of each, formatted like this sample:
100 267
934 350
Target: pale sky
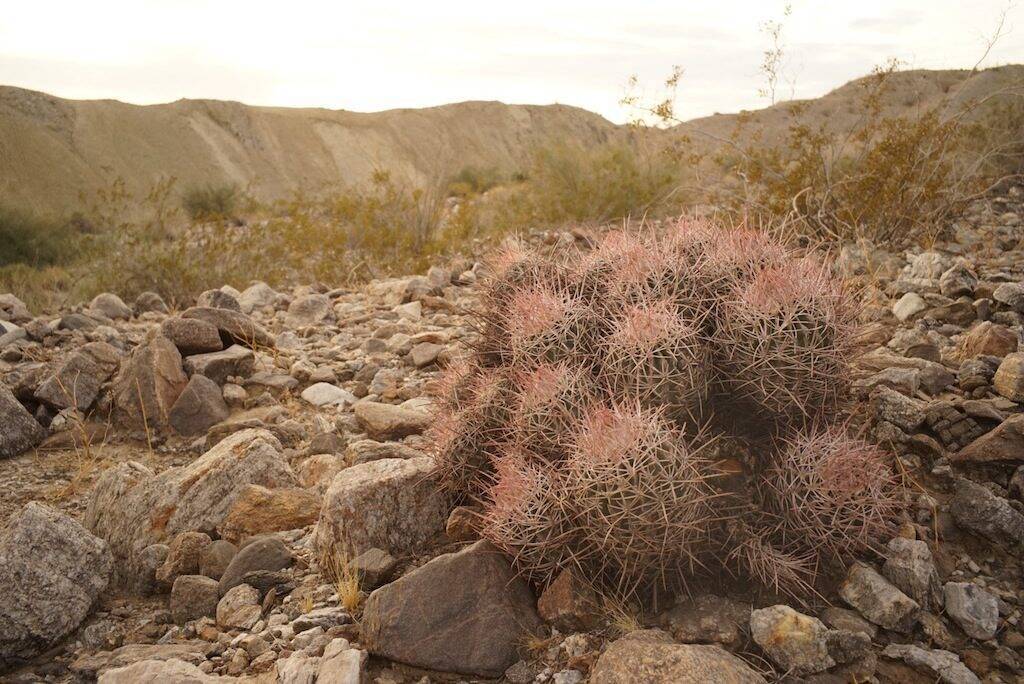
368 56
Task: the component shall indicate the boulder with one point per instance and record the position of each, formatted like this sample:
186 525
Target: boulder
973 608
132 508
1010 295
150 302
239 608
192 336
796 642
170 671
987 339
976 509
199 407
938 665
373 568
77 381
218 299
149 383
910 567
259 510
51 572
386 421
264 554
183 556
235 327
193 597
19 431
878 600
13 309
1009 378
111 306
257 296
235 361
464 612
216 558
909 306
308 310
958 281
653 659
1004 444
390 504
89 666
325 394
424 354
708 619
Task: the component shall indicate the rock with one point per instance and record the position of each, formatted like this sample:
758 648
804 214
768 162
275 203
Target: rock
1010 295
1009 378
389 504
239 608
385 421
309 310
257 296
987 339
193 597
216 558
973 608
13 309
900 410
978 510
878 600
88 666
463 524
259 510
132 508
218 299
794 641
183 556
464 612
569 604
234 361
266 553
192 336
374 567
366 450
944 666
19 431
425 353
843 619
958 281
325 618
1004 444
150 302
638 658
324 394
51 572
199 407
111 306
77 381
234 327
149 383
166 671
341 665
910 567
909 306
318 470
707 619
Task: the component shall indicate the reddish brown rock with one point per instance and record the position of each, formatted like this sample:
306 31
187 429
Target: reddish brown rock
259 510
569 604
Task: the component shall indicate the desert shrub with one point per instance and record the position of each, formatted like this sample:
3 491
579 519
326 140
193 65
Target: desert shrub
33 240
664 406
205 202
473 180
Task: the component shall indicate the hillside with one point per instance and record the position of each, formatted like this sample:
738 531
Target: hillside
52 149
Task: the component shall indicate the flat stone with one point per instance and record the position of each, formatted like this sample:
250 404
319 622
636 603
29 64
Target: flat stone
944 666
235 361
465 612
987 339
910 567
170 671
1004 444
637 658
19 431
199 407
324 394
794 641
389 504
973 608
192 336
976 509
386 421
366 450
878 600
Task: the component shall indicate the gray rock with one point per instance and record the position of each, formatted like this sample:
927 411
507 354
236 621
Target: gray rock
218 299
148 385
192 336
257 296
324 394
193 597
909 306
900 410
464 612
111 306
239 608
638 657
976 509
943 665
389 504
794 641
846 620
973 608
216 558
150 302
19 431
374 567
13 309
321 617
51 572
235 327
199 407
141 576
425 353
132 508
236 361
309 310
77 381
878 600
958 281
366 450
1010 295
910 567
386 421
264 553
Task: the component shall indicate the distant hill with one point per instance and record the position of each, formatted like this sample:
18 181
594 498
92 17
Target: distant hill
52 149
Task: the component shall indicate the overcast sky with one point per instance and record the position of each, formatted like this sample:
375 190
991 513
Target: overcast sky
367 56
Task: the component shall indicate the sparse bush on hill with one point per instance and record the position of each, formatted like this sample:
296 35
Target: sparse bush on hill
473 180
665 406
209 202
33 240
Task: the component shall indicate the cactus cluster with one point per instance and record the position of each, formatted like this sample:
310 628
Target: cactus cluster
662 406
